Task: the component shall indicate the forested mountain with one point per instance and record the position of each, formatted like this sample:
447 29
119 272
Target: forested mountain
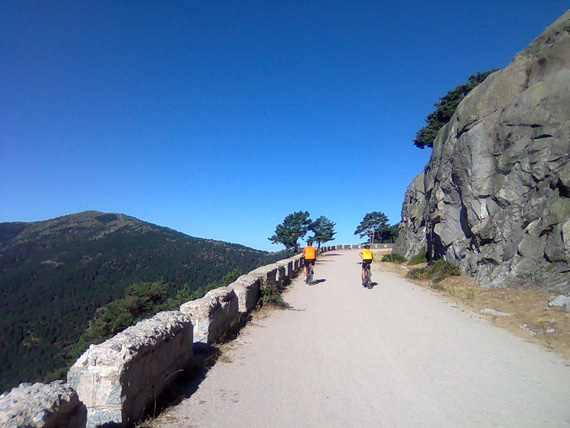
56 274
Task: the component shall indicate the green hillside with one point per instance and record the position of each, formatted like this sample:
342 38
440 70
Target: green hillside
56 274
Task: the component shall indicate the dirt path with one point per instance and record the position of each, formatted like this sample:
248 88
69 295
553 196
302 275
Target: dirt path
393 356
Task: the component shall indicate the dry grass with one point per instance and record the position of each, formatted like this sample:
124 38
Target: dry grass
529 315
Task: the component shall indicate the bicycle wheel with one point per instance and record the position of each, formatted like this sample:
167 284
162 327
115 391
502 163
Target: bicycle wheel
368 276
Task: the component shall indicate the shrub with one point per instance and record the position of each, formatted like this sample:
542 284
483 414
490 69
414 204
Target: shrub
437 286
436 271
418 258
394 258
417 273
271 296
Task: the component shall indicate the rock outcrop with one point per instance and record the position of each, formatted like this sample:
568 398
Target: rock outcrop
494 198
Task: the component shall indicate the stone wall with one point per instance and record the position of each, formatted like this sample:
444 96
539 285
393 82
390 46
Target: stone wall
116 382
222 310
118 379
383 246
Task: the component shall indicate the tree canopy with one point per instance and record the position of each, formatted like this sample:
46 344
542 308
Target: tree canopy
294 226
371 224
323 229
445 109
375 226
297 225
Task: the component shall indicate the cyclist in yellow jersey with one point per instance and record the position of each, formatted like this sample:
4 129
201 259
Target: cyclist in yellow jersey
309 254
366 256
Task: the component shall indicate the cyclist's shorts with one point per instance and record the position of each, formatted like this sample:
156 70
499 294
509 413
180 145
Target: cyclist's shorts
309 262
366 263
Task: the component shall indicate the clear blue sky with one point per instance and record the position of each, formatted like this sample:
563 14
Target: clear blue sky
219 118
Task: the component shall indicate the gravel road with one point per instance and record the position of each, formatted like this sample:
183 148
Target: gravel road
394 356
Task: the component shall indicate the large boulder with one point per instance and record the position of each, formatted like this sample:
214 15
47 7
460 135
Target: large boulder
495 195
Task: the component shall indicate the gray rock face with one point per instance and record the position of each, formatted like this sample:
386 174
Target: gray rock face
495 195
412 238
40 405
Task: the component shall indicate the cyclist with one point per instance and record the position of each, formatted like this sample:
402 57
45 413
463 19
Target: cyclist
309 254
366 256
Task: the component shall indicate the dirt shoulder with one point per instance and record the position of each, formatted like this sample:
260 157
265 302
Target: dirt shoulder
521 311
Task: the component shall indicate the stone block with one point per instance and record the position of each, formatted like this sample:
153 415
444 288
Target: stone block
247 290
120 378
39 405
213 315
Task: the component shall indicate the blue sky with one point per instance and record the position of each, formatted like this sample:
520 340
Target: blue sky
219 118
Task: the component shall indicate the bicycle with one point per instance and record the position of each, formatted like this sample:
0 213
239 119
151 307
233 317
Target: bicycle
367 281
310 274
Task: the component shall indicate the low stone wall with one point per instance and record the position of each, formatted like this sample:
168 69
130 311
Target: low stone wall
222 310
120 378
213 315
383 246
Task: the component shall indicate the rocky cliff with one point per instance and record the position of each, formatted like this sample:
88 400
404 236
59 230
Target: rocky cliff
494 198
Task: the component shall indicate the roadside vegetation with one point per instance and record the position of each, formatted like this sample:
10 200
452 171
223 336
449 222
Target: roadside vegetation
271 298
394 258
375 226
435 271
297 225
